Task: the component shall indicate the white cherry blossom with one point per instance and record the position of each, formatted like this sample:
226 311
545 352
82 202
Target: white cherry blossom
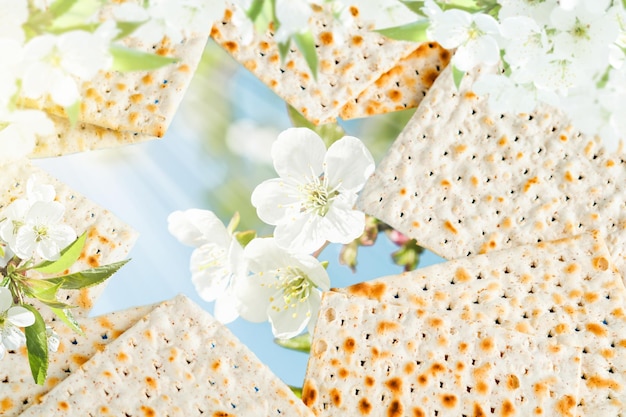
216 263
474 35
584 37
51 62
32 226
312 201
284 288
19 131
11 319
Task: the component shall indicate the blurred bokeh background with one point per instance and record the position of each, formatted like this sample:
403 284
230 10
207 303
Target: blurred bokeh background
214 154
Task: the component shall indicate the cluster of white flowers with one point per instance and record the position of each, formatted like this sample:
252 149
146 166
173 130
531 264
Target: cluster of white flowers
277 278
565 53
32 227
45 56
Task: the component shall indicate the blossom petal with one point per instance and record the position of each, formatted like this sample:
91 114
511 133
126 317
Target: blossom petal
209 271
226 309
254 298
302 233
342 226
20 317
12 337
274 199
45 212
298 153
348 163
288 321
25 243
195 227
263 254
6 299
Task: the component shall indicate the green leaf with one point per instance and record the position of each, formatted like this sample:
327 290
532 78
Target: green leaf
73 113
68 257
457 76
60 7
300 343
330 132
245 237
414 6
306 44
414 31
296 390
126 59
45 292
37 346
283 50
255 9
126 28
88 277
66 317
76 15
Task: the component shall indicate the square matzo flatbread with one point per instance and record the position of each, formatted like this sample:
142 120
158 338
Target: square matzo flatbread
373 358
463 179
567 292
177 361
18 391
402 87
347 66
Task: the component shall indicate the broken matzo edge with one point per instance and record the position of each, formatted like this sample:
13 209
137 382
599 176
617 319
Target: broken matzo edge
567 291
463 179
373 358
402 87
178 361
82 137
109 240
19 391
347 66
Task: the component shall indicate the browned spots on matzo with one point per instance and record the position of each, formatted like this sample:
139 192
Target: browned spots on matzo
418 412
565 405
530 183
385 326
478 411
368 290
335 397
449 400
349 345
512 382
450 227
365 407
395 409
601 263
309 393
597 382
461 275
508 409
394 385
597 329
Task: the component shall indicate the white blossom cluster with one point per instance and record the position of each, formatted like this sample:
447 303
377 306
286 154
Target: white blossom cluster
310 203
569 54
